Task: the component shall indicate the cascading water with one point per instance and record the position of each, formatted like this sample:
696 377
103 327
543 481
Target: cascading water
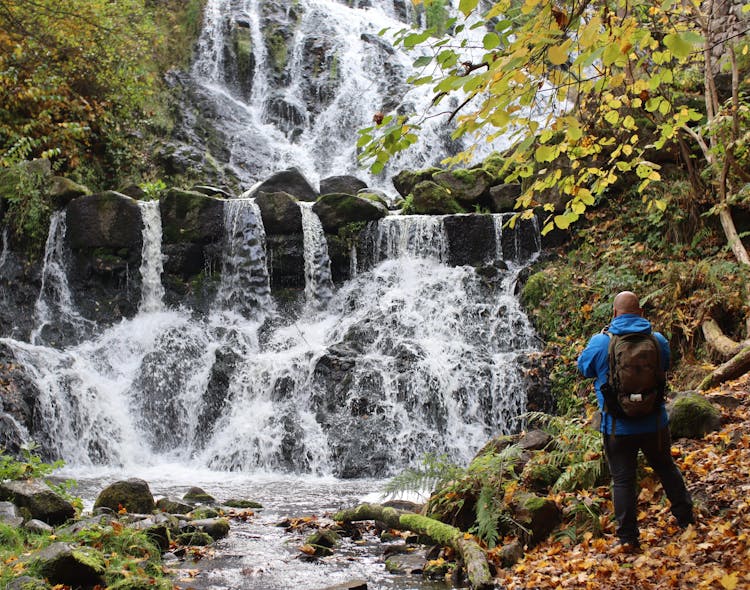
245 286
152 291
318 281
292 84
55 302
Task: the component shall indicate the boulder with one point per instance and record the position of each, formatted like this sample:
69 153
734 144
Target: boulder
198 495
9 515
64 563
338 210
38 499
290 181
63 190
212 191
280 213
104 220
188 216
173 506
535 440
538 515
406 180
38 527
465 185
132 494
502 198
216 528
691 415
345 184
430 198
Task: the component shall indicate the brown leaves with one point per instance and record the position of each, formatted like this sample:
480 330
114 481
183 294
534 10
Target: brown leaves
713 554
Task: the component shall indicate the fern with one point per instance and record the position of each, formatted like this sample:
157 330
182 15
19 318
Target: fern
435 472
488 512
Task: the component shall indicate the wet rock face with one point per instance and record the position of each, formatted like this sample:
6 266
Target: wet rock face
132 494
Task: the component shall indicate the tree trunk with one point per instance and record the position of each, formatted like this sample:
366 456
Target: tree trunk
733 368
718 341
472 554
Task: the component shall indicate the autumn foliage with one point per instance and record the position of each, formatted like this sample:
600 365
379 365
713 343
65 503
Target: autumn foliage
714 553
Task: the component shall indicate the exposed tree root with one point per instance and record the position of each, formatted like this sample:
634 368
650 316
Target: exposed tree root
735 367
472 554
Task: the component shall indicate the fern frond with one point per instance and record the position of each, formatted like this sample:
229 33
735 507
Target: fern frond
434 473
579 475
487 514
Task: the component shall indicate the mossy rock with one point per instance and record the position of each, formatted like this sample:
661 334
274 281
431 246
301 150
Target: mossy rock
430 198
134 495
204 512
27 583
196 494
540 477
242 504
538 515
195 538
691 415
465 185
323 542
537 289
338 210
189 216
406 180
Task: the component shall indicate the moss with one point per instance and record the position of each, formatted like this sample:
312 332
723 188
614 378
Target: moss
277 48
242 504
693 416
196 538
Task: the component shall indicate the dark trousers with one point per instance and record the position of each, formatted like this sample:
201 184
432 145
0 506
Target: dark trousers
622 456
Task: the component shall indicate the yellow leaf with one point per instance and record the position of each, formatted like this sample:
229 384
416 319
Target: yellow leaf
729 581
558 54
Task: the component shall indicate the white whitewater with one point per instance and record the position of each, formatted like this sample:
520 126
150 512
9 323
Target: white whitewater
431 359
152 290
318 281
322 105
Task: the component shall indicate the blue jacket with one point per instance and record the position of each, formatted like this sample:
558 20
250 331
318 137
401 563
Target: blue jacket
594 362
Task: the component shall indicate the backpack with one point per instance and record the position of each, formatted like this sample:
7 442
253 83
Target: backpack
636 382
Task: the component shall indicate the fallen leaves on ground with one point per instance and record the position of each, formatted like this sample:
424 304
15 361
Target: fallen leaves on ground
712 554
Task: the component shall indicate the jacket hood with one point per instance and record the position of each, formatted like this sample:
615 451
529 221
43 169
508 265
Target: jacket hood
629 323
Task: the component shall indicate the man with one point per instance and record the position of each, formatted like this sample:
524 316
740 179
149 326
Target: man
649 434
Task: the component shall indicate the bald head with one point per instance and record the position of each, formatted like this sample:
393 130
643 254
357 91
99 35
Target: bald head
626 302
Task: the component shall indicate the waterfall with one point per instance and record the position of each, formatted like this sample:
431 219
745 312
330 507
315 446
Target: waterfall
55 302
152 291
420 236
291 84
245 286
6 248
318 282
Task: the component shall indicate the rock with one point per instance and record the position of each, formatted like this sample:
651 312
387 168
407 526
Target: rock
406 563
691 415
322 542
63 190
212 191
471 239
198 495
280 213
538 515
204 512
64 563
196 538
535 440
134 191
502 198
540 477
511 553
464 185
38 499
104 220
406 180
290 181
134 495
432 199
380 197
38 527
216 528
9 515
346 184
338 210
103 519
242 504
188 216
27 583
173 505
